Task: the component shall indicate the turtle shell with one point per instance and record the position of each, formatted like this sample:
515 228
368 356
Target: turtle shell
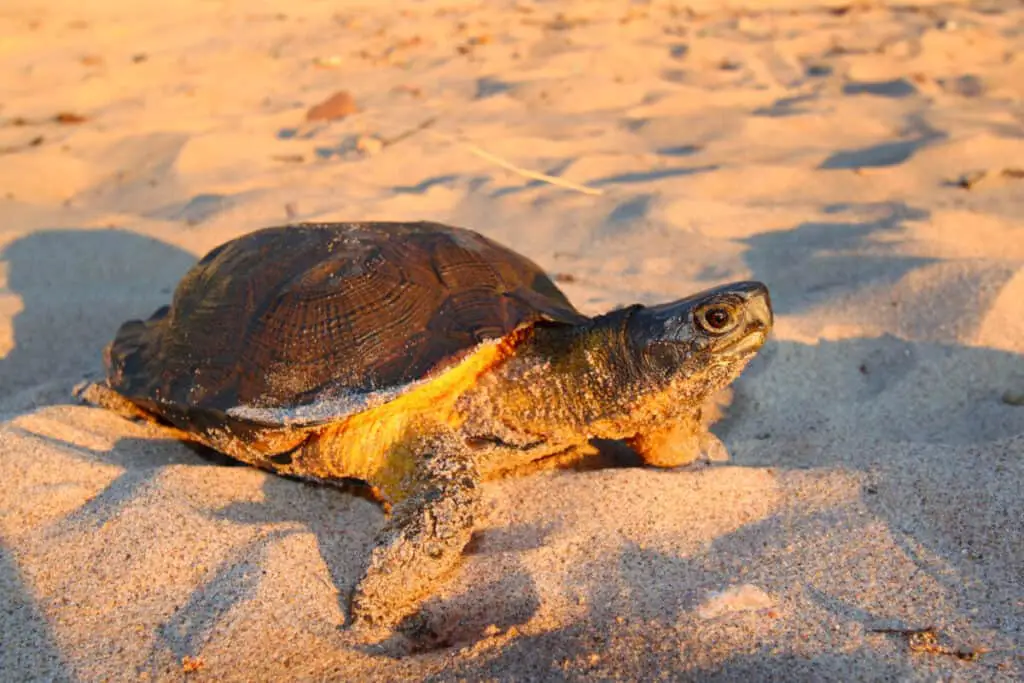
312 322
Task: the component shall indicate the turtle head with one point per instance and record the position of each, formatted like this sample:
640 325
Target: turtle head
613 375
707 337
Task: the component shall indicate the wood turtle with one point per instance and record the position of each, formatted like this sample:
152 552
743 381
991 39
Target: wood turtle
422 359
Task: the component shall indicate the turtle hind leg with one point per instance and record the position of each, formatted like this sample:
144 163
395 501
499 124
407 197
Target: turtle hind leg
101 395
421 544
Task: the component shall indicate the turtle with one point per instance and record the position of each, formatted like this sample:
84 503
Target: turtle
422 359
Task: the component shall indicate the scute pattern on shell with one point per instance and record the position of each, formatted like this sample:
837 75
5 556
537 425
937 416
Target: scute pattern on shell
321 313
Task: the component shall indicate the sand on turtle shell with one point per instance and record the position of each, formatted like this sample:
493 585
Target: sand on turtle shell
857 157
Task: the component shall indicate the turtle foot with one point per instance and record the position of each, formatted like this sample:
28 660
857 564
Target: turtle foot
682 443
420 546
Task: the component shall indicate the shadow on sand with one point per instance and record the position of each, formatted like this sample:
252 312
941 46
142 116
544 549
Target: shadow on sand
28 646
76 287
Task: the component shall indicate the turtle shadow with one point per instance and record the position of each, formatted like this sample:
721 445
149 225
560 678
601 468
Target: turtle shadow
76 287
884 389
926 425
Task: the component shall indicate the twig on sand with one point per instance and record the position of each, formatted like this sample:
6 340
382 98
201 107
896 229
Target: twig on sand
926 640
488 156
387 142
524 172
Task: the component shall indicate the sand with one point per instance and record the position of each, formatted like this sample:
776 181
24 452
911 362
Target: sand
862 159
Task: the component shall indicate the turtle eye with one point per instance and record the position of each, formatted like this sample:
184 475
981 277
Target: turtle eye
716 319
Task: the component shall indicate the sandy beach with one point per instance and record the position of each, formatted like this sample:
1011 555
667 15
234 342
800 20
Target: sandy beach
863 159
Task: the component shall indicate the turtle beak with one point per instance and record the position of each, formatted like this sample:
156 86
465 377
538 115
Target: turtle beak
757 319
758 307
758 304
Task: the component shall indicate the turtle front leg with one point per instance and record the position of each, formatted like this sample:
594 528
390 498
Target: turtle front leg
678 442
421 544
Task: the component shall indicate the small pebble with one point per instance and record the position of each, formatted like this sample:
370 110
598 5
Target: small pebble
970 179
69 118
1013 398
337 106
329 62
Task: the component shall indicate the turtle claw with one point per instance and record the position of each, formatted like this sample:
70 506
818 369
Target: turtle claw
420 546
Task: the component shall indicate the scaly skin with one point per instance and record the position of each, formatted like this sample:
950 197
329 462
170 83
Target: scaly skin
617 378
421 543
